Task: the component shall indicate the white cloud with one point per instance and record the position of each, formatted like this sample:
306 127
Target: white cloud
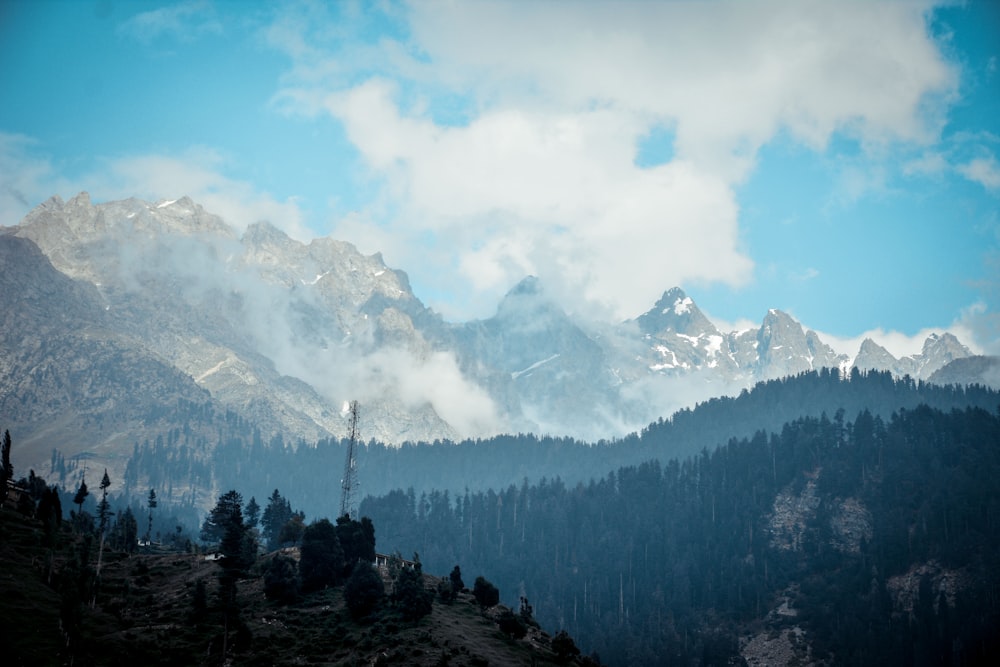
539 175
183 21
985 171
199 174
805 275
26 178
546 193
930 164
903 345
435 380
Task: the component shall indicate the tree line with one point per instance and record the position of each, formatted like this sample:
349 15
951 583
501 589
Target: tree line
664 562
182 464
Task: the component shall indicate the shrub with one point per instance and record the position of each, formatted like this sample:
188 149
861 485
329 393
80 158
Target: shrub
564 646
511 625
281 582
410 597
486 594
363 591
322 560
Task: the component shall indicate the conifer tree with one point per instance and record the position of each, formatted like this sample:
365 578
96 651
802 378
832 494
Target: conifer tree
277 513
103 507
6 469
227 510
252 514
321 560
364 590
151 504
103 511
81 494
486 594
409 595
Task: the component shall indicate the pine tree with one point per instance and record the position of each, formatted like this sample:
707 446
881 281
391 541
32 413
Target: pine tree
321 560
151 504
364 590
281 581
125 531
103 508
252 513
357 539
277 513
486 594
409 595
50 513
456 580
227 510
103 511
81 495
6 469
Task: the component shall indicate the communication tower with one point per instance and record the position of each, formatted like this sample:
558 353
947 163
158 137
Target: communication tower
349 483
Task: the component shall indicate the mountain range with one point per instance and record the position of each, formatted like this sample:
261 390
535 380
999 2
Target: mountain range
117 313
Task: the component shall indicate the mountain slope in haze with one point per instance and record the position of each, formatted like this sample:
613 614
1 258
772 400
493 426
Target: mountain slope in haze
239 460
72 378
979 370
284 333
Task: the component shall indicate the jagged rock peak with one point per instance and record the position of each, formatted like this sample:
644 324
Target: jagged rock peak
81 200
780 328
529 286
55 201
675 312
263 232
870 351
945 343
939 351
528 299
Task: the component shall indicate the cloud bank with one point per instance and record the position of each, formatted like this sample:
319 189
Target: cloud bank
508 134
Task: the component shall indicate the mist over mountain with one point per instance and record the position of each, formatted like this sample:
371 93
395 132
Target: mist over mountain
284 333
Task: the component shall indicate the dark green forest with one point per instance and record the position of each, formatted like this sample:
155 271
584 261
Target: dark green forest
185 461
667 562
662 546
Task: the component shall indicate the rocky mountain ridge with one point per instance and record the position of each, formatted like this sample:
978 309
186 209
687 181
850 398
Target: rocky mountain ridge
284 333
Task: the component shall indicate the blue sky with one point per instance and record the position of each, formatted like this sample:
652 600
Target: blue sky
839 161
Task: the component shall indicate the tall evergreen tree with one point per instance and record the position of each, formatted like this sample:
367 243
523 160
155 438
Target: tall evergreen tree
6 469
151 505
409 594
81 494
125 531
228 510
49 512
103 507
103 511
321 560
363 590
357 539
252 514
277 513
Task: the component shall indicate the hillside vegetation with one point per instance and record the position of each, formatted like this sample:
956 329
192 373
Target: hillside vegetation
163 607
873 541
186 466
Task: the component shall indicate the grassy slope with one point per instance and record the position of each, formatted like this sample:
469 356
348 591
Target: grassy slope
143 615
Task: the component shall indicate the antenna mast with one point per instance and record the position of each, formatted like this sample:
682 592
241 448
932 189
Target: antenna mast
349 483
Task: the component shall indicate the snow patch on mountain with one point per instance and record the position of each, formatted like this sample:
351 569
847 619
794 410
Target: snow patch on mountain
303 327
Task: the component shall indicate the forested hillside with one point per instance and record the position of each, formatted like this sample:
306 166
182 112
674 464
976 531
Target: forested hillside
187 467
891 554
850 518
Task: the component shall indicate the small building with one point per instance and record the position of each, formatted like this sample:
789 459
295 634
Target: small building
382 562
16 496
